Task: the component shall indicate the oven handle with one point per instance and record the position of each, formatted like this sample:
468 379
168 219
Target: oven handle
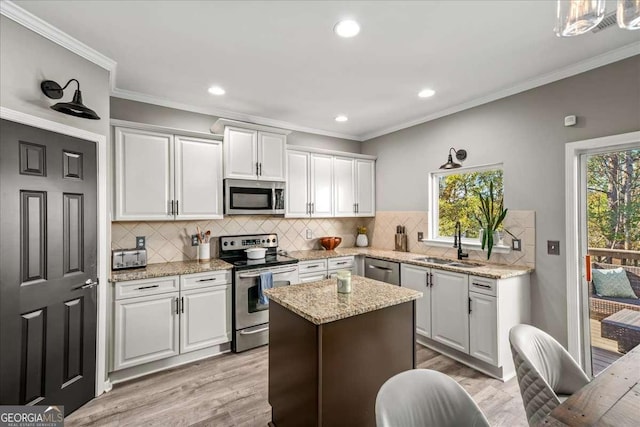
257 331
248 276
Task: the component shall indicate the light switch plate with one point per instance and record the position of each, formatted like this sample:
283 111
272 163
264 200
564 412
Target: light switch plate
420 236
309 234
194 240
553 247
516 245
141 242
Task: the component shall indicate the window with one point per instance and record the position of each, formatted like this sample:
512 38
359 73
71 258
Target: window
454 197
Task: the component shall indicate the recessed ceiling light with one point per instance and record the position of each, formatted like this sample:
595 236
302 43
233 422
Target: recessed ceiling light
426 93
342 118
347 28
216 90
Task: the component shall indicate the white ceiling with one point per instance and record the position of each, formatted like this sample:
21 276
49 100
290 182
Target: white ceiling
280 60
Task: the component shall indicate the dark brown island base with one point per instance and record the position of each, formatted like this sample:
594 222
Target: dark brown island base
330 353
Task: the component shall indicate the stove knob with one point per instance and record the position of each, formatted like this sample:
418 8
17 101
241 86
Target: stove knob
262 240
233 243
226 243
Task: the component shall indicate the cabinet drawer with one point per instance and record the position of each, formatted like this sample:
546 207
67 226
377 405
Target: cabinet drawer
139 288
341 263
313 277
483 285
204 280
318 265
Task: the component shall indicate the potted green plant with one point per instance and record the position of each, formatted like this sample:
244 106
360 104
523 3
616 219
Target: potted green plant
492 213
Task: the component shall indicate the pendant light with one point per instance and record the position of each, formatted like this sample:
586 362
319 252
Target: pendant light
74 108
460 155
628 14
577 17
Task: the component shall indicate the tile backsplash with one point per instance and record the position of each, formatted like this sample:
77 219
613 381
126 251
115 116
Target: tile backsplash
170 240
520 223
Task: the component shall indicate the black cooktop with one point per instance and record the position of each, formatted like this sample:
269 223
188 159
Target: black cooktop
242 263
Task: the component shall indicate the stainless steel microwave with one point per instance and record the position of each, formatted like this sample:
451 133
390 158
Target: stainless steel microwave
246 197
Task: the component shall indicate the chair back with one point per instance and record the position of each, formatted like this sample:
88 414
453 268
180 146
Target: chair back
422 397
544 370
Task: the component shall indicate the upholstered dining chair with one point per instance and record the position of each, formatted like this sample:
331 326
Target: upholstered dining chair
547 374
421 398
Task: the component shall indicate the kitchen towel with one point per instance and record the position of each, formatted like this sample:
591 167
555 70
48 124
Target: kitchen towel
266 282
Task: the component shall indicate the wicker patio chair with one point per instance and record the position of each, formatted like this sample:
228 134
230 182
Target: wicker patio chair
602 307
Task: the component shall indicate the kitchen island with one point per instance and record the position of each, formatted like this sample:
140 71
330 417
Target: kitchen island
329 353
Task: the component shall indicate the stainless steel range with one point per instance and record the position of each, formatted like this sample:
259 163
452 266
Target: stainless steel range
250 318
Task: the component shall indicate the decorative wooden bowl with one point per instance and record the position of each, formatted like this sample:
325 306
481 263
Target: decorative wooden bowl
330 243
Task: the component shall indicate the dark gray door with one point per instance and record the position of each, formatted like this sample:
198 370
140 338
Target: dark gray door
47 266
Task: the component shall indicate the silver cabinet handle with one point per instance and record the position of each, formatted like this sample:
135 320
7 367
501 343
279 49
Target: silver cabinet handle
182 305
380 268
207 280
342 262
147 287
469 305
171 207
430 279
426 276
313 207
88 284
481 285
177 305
257 331
248 276
257 168
357 208
177 207
312 266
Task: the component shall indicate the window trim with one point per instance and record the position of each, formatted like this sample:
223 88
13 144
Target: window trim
433 239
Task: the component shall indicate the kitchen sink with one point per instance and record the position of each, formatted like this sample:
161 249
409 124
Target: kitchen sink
464 264
433 260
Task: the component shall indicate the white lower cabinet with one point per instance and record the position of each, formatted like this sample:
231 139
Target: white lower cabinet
417 278
483 328
146 329
320 269
450 309
155 319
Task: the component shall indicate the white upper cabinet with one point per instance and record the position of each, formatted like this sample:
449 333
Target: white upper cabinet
143 175
321 185
271 156
344 186
162 176
254 154
297 189
198 178
365 187
240 153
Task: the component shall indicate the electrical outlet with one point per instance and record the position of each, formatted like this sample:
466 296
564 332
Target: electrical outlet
141 242
420 236
194 240
516 245
553 247
309 234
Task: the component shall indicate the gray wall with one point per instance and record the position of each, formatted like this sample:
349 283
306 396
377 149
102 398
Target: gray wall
28 58
134 111
526 133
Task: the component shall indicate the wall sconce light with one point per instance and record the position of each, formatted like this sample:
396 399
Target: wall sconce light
460 155
74 108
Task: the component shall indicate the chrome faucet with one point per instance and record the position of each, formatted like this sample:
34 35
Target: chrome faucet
457 241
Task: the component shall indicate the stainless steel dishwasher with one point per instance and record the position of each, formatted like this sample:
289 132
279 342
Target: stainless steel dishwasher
384 271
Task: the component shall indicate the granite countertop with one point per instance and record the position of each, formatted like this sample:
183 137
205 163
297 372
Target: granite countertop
170 269
492 271
319 302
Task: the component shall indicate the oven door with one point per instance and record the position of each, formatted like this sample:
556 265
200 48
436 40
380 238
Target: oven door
248 310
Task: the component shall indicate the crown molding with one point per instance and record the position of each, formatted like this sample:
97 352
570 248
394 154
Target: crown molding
57 36
619 54
211 111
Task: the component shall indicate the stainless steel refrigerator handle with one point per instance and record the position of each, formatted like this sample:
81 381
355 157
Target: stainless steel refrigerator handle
380 268
257 331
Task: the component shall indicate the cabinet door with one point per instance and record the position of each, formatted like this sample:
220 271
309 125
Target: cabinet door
416 278
365 188
450 309
143 175
146 329
271 156
297 188
198 178
344 186
483 328
321 185
240 153
205 317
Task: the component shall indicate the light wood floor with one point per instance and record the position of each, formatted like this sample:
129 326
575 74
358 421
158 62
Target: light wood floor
231 390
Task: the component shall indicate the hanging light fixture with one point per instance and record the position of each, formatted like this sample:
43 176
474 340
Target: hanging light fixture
628 14
74 108
461 155
577 17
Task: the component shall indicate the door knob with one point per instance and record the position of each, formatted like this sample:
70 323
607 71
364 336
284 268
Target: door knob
87 284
